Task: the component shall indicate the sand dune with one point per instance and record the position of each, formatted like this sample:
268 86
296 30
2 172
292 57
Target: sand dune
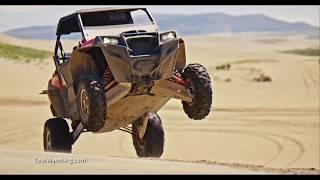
264 124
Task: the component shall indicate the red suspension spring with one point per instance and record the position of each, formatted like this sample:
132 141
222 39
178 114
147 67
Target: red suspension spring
107 76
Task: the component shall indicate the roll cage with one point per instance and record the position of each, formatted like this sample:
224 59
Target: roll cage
73 23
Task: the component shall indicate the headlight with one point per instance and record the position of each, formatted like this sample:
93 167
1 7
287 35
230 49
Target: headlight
167 36
110 40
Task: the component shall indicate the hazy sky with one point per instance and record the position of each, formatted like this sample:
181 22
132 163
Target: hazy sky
22 16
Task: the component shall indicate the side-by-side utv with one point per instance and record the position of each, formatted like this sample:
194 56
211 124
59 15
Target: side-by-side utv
118 75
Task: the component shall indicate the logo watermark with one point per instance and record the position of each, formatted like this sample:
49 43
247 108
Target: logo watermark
54 161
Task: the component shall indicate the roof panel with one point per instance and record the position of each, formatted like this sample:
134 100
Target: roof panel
109 8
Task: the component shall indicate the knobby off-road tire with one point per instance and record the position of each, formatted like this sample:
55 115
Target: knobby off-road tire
56 136
152 144
91 102
200 85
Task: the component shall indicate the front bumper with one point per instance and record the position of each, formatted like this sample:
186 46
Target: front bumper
132 69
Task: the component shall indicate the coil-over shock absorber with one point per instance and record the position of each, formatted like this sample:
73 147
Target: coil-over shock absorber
107 76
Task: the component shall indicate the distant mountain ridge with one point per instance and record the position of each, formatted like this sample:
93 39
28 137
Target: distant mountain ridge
196 24
33 32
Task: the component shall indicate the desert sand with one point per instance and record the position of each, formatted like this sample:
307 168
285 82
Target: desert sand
254 127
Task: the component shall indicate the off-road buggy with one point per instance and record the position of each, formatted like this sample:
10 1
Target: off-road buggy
118 76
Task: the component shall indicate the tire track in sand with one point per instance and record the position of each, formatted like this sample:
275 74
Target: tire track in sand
308 78
264 135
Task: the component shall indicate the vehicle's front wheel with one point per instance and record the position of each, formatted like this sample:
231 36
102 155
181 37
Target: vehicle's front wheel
199 83
152 143
91 102
56 136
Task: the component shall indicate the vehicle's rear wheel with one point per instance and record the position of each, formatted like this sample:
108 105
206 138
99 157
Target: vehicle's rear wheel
198 80
91 102
56 136
152 143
